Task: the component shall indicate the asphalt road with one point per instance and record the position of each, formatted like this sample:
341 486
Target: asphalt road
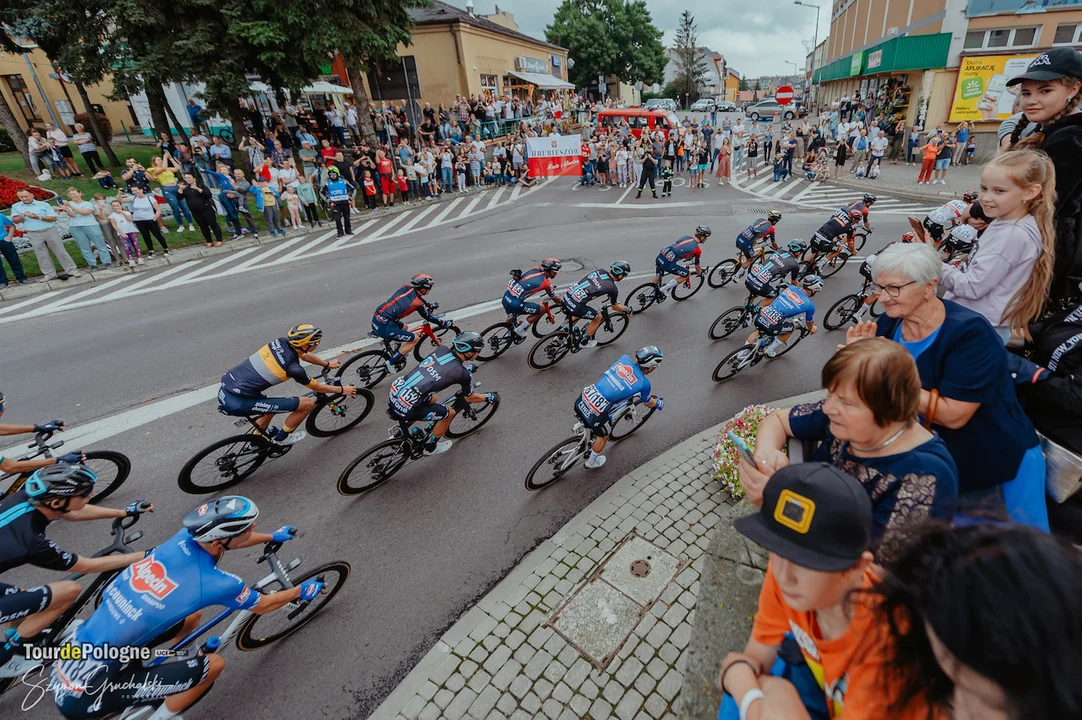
432 541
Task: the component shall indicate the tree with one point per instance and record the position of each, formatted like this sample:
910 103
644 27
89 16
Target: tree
688 57
8 44
609 37
743 85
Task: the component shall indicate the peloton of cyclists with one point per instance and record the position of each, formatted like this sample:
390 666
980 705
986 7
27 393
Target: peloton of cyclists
387 320
778 319
624 380
597 284
525 284
761 229
668 260
759 281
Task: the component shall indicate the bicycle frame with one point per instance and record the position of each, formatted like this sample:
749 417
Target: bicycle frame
44 449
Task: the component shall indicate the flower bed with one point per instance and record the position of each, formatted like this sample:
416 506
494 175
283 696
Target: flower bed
10 186
744 425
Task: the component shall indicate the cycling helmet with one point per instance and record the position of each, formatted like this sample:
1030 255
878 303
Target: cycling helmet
467 342
813 283
773 216
970 196
619 269
869 199
961 237
551 265
649 356
303 335
60 481
422 282
333 170
856 215
703 231
221 519
797 246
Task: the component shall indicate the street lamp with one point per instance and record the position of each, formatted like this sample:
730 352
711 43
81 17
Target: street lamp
815 44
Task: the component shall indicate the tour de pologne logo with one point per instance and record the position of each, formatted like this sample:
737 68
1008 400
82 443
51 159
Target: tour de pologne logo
149 576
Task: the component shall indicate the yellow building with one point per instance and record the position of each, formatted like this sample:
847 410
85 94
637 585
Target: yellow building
732 85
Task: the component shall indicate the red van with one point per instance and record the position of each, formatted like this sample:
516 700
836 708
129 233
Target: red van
609 119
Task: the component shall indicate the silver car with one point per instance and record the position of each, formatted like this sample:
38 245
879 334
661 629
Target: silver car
765 109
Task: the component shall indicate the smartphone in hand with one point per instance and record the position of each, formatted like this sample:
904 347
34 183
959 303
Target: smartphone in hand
743 449
60 201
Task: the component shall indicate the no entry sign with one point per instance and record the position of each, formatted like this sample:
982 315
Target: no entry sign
784 95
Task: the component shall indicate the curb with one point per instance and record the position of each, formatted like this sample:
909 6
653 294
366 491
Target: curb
939 196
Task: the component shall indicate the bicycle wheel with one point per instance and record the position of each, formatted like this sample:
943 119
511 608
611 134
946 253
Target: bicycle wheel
277 625
223 464
543 326
227 136
374 466
497 338
339 413
470 421
727 323
859 239
550 350
731 364
112 469
366 369
798 336
722 273
833 266
876 309
630 419
683 292
842 311
553 464
642 297
610 330
427 345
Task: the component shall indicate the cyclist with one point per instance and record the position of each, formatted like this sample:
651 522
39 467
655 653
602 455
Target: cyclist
792 305
974 214
758 230
413 396
760 280
862 206
943 218
8 465
241 392
387 320
53 493
160 598
668 260
524 284
624 380
842 224
596 284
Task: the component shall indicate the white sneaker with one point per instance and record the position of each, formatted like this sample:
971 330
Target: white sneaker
441 447
180 228
772 350
590 343
291 439
139 261
191 228
165 231
131 263
521 330
18 666
595 463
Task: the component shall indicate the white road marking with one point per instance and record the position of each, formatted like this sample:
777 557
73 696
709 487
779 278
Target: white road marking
454 203
136 289
348 240
496 198
257 260
198 273
24 303
302 250
626 193
469 208
69 299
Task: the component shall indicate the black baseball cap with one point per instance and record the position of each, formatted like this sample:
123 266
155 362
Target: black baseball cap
814 515
1057 63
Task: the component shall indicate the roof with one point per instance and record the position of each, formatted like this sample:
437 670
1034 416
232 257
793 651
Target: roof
440 13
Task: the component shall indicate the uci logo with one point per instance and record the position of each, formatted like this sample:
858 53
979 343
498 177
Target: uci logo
149 576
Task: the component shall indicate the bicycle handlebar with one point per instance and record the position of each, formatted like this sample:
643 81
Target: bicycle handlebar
273 547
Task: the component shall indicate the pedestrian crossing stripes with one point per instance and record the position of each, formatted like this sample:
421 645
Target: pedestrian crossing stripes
250 259
821 196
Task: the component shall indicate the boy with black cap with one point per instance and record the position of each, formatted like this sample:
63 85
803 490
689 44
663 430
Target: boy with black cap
817 646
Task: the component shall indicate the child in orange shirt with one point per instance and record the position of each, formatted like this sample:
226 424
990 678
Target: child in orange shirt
369 190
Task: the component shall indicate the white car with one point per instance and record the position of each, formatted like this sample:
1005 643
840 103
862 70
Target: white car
704 105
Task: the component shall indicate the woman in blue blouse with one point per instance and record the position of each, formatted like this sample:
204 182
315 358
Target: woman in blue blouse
967 390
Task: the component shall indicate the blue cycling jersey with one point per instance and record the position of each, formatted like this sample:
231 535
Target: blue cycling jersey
621 382
404 301
529 283
790 302
154 594
761 228
596 284
685 247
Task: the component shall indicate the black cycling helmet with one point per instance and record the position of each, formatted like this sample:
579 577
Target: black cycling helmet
649 356
773 216
303 335
703 231
620 268
221 519
60 481
467 342
970 196
422 281
869 199
551 265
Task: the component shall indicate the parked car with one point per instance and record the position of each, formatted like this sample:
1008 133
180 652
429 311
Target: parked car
704 105
662 104
726 106
765 109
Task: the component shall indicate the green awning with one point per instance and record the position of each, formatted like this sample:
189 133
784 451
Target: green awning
908 52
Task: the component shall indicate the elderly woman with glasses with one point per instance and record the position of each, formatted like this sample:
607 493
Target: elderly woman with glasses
967 392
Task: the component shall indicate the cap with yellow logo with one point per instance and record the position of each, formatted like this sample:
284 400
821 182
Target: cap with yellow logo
814 515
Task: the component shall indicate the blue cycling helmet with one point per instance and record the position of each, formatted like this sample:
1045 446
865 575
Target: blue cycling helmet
649 356
221 519
60 481
620 268
813 283
797 246
467 342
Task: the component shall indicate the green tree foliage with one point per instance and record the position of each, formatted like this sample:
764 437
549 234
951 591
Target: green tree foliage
688 57
743 84
609 37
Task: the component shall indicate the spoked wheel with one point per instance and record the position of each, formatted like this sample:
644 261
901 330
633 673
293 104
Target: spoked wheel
262 630
727 323
630 419
876 309
497 338
427 345
550 350
683 292
339 413
610 329
553 464
223 464
797 336
723 273
731 364
366 369
842 311
374 467
543 326
859 239
112 469
642 297
471 419
834 266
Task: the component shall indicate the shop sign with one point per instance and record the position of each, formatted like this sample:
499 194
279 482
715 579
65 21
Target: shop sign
981 93
530 64
875 59
856 64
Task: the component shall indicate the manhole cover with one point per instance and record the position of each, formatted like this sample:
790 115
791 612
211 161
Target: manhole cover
644 588
640 568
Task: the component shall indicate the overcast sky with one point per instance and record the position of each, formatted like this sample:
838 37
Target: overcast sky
756 38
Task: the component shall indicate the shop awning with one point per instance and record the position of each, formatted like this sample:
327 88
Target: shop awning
900 54
326 88
543 81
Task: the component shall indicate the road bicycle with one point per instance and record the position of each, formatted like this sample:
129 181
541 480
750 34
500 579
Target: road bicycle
112 468
846 309
499 337
645 295
407 443
368 368
734 318
822 264
750 354
228 461
56 633
727 270
249 631
570 338
566 455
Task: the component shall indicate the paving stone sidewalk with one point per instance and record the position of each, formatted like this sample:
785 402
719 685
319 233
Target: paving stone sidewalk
901 180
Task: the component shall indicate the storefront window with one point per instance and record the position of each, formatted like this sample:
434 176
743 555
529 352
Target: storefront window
1065 34
1023 36
974 40
488 85
1008 37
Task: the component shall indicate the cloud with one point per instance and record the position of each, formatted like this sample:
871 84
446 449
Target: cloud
755 38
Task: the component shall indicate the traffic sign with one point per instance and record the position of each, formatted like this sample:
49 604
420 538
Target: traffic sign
784 95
